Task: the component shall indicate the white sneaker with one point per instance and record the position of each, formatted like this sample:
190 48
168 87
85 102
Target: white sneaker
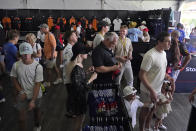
162 127
57 81
2 100
61 66
46 84
37 128
148 129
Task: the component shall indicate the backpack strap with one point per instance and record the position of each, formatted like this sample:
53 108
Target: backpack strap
36 47
36 70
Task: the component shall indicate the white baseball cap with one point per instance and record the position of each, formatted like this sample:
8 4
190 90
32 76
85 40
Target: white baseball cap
143 22
128 90
25 48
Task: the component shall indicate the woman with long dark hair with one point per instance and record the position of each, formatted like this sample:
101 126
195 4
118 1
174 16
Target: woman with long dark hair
174 56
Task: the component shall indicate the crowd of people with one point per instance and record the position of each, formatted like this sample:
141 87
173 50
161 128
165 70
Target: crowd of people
33 64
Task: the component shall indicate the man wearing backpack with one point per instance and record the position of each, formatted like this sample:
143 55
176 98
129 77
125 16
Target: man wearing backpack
27 75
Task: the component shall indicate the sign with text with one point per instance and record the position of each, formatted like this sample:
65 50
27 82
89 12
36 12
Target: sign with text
186 81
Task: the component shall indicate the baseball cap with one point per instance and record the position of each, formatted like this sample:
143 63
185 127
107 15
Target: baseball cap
146 29
143 22
128 90
79 48
43 26
25 48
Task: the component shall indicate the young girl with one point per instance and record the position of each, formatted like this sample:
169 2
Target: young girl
37 50
163 105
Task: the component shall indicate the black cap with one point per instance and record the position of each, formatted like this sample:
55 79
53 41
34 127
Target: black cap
79 48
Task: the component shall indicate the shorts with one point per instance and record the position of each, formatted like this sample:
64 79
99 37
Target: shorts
24 105
145 97
50 63
160 115
2 57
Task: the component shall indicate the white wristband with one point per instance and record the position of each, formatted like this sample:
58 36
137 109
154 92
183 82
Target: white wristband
22 92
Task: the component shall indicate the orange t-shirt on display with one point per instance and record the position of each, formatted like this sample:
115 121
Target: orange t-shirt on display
64 20
50 22
6 20
94 24
49 44
72 20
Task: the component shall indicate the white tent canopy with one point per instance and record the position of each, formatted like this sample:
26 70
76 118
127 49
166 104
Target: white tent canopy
91 4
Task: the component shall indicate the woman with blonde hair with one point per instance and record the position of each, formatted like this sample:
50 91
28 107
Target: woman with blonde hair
37 50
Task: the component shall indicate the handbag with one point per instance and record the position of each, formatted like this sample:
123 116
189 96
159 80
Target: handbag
59 46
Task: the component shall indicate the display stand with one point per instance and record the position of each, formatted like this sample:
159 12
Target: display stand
107 109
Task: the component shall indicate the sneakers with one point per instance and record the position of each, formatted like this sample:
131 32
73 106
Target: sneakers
61 66
148 129
46 84
2 100
57 81
37 128
162 127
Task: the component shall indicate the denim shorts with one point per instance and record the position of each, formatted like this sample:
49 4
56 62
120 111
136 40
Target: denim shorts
24 104
50 63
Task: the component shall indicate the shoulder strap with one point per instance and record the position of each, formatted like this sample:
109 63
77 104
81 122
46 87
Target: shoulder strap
17 68
49 36
36 70
36 46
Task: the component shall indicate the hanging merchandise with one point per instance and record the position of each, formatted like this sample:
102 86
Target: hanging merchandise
127 21
27 24
171 18
61 21
117 23
6 21
94 23
107 20
16 23
50 22
156 26
84 22
72 22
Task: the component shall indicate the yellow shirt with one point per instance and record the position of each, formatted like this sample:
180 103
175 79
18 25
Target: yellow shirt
123 47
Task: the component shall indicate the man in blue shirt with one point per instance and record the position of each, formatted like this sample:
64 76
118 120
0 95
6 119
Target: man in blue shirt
10 50
134 33
180 28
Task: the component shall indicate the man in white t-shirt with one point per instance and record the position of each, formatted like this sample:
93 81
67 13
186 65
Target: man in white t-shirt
27 75
152 74
103 28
